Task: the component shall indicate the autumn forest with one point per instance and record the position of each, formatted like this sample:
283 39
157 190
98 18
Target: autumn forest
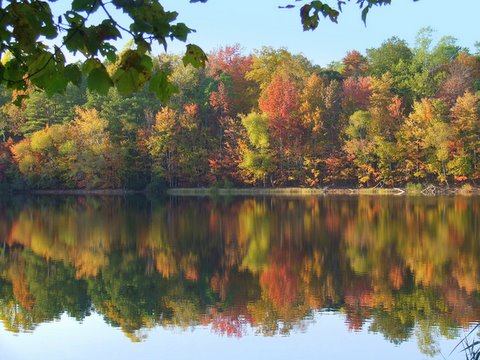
397 115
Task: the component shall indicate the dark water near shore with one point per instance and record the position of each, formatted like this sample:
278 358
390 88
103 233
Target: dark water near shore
193 278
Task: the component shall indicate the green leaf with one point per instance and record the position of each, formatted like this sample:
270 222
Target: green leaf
73 74
143 46
45 19
98 80
195 56
92 40
310 22
317 5
91 64
365 13
160 85
74 18
74 40
107 30
111 56
130 58
14 70
126 81
40 62
181 31
110 52
59 57
146 63
56 83
85 5
26 27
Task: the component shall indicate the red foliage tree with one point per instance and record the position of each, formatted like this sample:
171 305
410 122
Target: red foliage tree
224 160
354 64
356 94
231 62
461 75
396 109
280 103
220 99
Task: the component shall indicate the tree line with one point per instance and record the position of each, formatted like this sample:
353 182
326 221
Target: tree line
399 114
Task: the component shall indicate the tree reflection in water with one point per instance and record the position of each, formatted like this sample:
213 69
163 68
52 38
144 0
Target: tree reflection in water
405 267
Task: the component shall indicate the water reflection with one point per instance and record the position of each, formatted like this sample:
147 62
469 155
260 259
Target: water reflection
404 267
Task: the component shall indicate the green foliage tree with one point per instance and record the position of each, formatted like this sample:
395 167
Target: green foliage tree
40 159
127 116
392 54
191 83
425 139
178 147
429 62
95 159
41 111
466 123
269 63
360 145
79 154
257 159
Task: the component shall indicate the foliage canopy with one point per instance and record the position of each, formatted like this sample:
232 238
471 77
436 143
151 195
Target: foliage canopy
34 41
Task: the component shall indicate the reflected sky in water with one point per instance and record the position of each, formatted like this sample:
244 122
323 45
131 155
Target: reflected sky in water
326 338
336 277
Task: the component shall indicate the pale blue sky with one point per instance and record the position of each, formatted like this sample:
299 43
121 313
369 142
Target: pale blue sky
326 336
257 23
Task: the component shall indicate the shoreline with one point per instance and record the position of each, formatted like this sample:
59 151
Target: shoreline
273 191
106 192
430 190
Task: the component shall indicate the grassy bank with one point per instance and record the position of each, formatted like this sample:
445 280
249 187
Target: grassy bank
114 192
429 190
278 191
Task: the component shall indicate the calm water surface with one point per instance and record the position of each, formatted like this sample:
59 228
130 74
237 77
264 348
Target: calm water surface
244 278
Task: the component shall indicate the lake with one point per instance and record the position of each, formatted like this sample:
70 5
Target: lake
332 277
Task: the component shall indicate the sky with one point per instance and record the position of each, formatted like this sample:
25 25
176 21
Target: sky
326 336
257 23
